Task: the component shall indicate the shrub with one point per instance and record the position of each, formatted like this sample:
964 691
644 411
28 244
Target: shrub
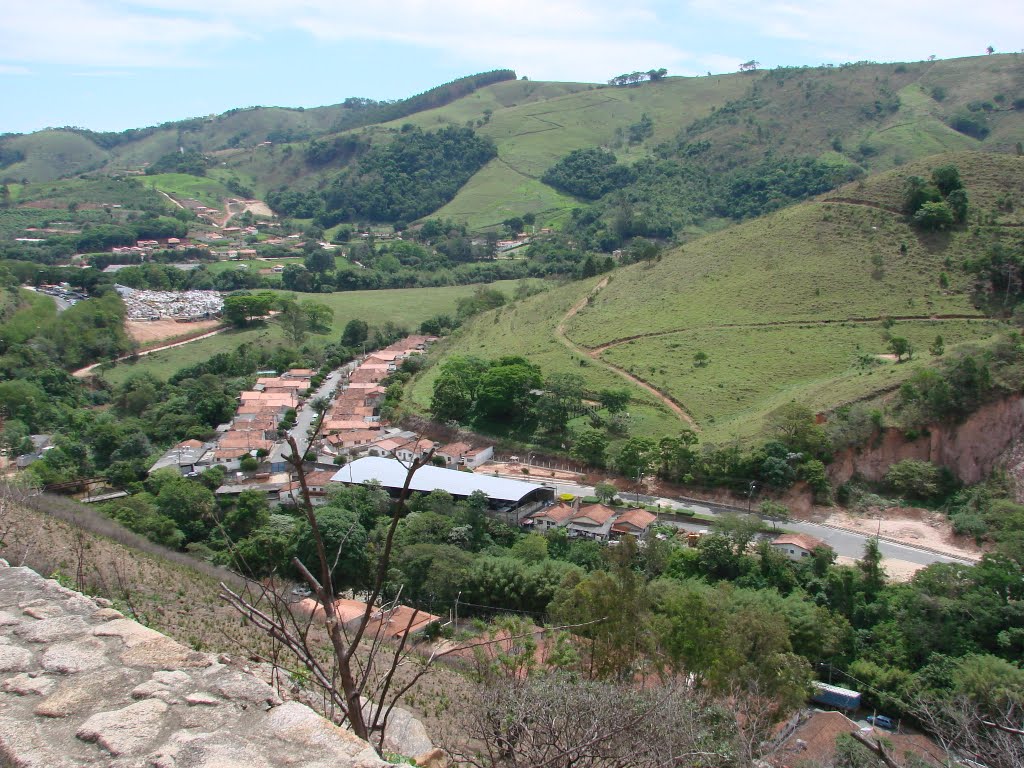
973 124
914 478
934 216
968 524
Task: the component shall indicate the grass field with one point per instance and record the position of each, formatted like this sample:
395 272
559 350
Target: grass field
752 369
785 306
525 328
208 191
408 307
497 192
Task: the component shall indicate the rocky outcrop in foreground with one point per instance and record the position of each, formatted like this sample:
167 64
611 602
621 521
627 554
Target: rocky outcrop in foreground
80 685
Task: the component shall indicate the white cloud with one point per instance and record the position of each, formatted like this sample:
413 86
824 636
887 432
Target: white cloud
549 38
872 29
14 69
95 33
559 39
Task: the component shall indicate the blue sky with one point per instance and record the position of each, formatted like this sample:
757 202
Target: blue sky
111 65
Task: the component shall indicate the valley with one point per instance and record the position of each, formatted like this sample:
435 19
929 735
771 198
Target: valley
717 382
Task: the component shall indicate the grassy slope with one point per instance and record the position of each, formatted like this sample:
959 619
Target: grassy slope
800 267
531 137
408 307
52 153
525 328
206 190
879 115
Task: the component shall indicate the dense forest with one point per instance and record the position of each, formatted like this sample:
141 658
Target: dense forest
662 196
410 176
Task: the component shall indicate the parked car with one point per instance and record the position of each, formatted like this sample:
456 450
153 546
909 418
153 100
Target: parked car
882 721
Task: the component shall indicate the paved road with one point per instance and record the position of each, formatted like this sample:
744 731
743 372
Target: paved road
306 415
846 543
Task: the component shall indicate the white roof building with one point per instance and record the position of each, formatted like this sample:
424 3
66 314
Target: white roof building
391 474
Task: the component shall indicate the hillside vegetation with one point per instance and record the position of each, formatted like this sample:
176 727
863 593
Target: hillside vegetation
796 305
688 132
404 307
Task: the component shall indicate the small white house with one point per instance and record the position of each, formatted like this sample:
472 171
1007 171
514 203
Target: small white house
797 546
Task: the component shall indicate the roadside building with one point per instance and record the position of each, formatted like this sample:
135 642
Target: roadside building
508 496
317 483
40 445
593 521
633 522
555 516
187 457
462 454
797 546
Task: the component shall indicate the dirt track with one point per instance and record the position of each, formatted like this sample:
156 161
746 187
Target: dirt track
671 404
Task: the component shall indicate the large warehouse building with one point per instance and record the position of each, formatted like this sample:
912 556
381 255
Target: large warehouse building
503 495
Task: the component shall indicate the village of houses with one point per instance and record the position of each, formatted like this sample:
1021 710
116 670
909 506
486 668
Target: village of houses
356 446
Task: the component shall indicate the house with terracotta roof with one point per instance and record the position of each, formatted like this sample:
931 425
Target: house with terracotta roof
555 516
797 546
352 438
348 424
592 521
460 454
633 522
275 400
391 621
316 482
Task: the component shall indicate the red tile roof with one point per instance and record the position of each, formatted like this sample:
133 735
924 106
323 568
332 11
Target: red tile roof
559 513
598 513
633 519
802 540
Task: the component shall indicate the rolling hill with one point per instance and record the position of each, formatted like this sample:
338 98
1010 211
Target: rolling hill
864 116
789 306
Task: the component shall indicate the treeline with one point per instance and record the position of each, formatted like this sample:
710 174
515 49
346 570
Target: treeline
632 78
660 196
368 112
86 332
957 386
191 162
589 173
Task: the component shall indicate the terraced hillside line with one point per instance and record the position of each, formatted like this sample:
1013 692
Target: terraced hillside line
512 168
669 402
595 351
557 126
865 203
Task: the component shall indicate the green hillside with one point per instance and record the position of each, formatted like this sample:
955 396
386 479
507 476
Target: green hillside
698 131
790 306
47 155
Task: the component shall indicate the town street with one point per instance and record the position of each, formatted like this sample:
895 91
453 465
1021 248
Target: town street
845 543
306 416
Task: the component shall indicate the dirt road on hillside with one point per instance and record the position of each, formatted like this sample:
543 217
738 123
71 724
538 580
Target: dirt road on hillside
83 372
671 404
